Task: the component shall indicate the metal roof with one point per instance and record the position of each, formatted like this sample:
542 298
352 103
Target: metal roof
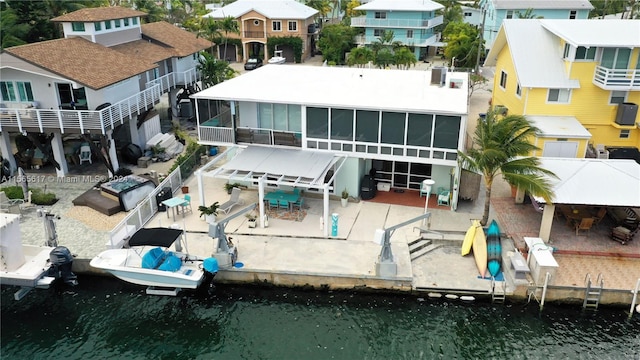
559 126
535 52
604 182
298 168
401 5
349 88
271 9
542 4
596 32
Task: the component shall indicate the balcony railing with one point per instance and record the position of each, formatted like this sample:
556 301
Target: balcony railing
363 21
82 121
414 41
254 34
616 79
173 79
226 135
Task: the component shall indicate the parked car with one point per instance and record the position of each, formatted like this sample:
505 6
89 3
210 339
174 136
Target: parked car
252 64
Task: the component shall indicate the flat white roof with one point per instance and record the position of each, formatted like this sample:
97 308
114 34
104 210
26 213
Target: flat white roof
604 182
272 9
560 126
401 5
343 87
596 32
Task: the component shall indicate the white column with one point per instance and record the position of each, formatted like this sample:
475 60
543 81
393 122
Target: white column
547 221
325 207
112 151
5 150
135 135
58 154
261 199
200 187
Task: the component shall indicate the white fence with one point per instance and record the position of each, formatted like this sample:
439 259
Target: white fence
143 212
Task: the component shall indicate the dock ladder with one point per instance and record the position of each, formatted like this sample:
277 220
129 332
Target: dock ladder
498 293
593 293
635 298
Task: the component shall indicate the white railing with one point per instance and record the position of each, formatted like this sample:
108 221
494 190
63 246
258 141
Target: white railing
174 79
143 212
363 21
215 135
617 78
362 40
79 120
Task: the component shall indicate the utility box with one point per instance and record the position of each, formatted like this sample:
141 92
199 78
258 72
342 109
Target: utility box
540 260
627 113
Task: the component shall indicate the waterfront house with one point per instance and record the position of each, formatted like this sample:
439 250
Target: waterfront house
325 133
263 21
578 80
496 11
413 23
108 71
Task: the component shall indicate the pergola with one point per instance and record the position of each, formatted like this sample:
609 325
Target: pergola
262 166
591 182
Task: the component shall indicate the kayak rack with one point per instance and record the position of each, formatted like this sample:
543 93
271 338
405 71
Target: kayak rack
593 293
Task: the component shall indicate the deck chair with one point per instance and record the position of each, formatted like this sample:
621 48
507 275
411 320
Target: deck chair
584 224
599 216
443 198
11 206
85 154
186 205
233 201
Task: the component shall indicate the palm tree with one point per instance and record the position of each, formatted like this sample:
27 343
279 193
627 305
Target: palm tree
214 71
528 14
500 146
360 57
404 58
228 25
323 6
210 30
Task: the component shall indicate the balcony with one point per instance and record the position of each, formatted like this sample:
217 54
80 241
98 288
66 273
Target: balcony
254 35
617 79
363 21
414 41
79 121
216 135
174 79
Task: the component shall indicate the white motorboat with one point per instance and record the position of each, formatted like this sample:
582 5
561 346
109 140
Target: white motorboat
148 261
277 58
30 266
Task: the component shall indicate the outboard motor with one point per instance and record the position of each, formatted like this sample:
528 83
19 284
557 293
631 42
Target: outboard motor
210 266
61 261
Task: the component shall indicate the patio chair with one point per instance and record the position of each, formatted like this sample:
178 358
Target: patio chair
233 201
599 216
584 224
284 204
11 206
273 204
298 203
443 198
85 154
186 205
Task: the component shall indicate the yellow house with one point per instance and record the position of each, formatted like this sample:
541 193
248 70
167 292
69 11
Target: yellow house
259 20
577 80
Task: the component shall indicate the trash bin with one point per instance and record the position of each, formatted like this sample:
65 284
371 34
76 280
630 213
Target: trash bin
334 224
164 194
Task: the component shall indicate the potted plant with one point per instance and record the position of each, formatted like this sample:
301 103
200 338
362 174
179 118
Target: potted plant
209 212
251 219
229 187
345 198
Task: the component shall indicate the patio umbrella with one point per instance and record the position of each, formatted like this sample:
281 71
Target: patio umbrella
22 181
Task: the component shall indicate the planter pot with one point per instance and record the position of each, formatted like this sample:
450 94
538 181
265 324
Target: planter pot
210 219
344 202
185 189
251 223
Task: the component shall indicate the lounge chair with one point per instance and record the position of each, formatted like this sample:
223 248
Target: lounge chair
233 201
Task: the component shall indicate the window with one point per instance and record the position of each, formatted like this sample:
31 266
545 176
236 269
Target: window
503 79
107 25
419 129
518 90
318 122
97 25
567 51
392 131
367 126
24 91
624 134
380 15
117 23
342 124
617 97
467 14
583 53
572 14
126 21
293 26
409 34
378 32
8 91
447 131
276 25
134 20
558 95
77 26
509 14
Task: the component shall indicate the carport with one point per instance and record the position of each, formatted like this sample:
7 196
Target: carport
591 182
277 167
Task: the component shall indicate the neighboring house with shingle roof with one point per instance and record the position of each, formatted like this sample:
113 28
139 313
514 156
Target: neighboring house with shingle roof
576 80
109 61
259 20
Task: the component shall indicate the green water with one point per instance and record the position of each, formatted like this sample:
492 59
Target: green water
109 319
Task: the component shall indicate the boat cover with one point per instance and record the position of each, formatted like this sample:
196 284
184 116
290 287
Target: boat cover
155 237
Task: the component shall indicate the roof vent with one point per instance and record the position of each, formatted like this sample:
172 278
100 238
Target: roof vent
438 75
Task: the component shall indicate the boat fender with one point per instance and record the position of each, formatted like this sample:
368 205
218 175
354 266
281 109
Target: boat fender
210 265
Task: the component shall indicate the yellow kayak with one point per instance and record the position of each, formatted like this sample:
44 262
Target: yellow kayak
480 251
468 237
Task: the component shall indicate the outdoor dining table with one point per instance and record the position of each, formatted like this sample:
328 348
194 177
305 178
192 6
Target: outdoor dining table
575 213
173 203
281 195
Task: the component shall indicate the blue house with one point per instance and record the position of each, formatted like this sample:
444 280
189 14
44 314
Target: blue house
412 23
498 10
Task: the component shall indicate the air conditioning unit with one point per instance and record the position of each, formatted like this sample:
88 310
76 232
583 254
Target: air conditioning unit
627 113
438 75
501 110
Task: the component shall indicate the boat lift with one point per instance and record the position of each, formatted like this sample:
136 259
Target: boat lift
226 252
386 266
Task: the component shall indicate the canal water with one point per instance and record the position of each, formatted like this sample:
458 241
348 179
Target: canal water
105 318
